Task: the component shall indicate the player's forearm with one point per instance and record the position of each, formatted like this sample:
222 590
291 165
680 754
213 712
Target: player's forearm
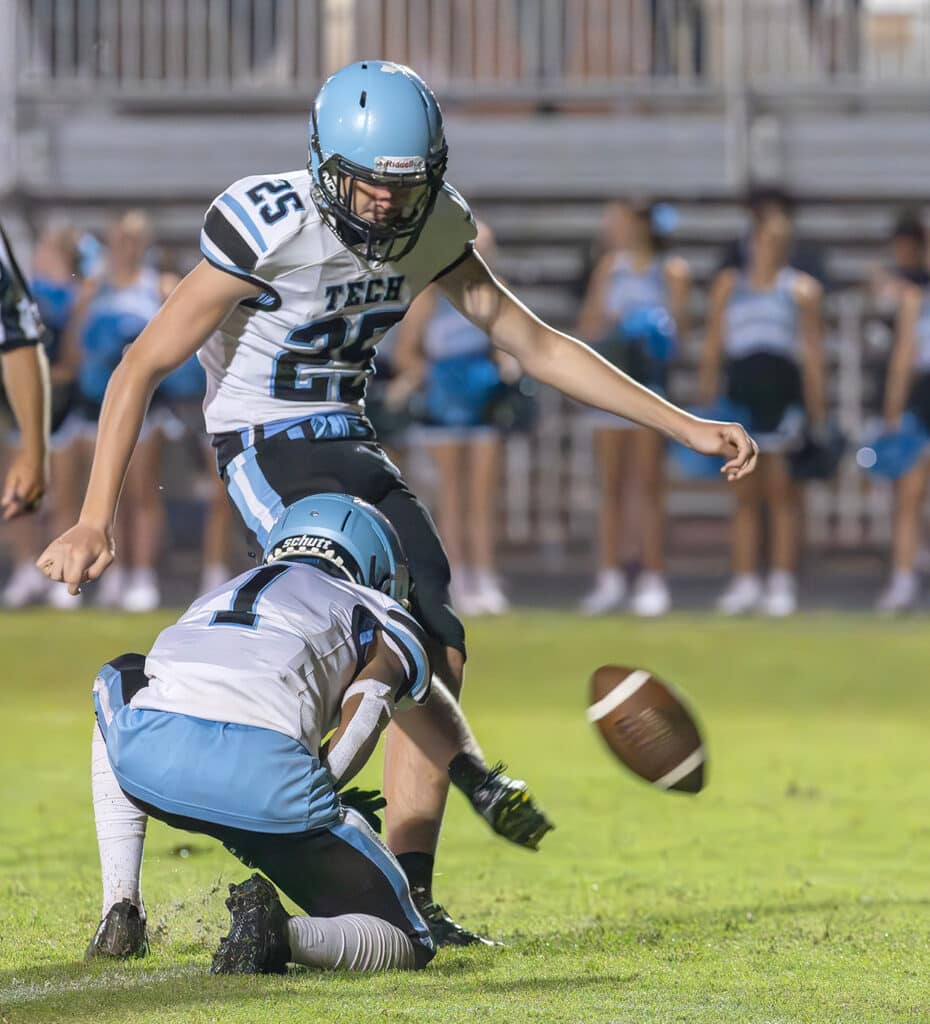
902 357
25 377
815 402
366 710
124 406
579 372
346 758
897 388
813 360
709 376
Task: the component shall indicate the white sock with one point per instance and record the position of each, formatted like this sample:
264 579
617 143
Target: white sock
120 832
610 577
902 577
355 942
781 578
144 576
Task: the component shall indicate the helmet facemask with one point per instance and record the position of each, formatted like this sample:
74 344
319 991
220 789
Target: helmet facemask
334 192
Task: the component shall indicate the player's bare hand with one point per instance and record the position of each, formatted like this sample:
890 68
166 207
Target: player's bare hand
78 555
24 486
728 440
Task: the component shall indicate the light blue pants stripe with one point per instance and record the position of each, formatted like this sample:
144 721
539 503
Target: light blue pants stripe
373 850
258 502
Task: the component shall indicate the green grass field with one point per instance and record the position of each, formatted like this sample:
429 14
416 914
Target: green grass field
795 889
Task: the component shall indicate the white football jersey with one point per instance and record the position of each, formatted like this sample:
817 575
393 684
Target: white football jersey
276 648
306 344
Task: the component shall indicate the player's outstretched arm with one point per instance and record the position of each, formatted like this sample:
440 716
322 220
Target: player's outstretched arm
809 297
199 304
712 354
575 369
25 379
900 366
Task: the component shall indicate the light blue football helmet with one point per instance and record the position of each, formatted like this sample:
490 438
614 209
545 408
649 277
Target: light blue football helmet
345 537
376 122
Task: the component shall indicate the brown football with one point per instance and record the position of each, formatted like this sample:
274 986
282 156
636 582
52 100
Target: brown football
646 724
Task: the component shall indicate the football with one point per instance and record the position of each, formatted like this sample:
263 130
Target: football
647 725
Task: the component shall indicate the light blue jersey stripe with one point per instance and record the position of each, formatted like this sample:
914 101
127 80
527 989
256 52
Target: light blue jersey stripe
391 871
222 264
419 686
239 210
266 299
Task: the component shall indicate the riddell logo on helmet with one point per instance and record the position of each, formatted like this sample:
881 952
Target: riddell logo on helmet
399 165
329 182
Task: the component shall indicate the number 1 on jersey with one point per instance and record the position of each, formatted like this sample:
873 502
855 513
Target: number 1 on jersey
246 598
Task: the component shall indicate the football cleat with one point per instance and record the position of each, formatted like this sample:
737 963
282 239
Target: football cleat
120 935
257 942
444 929
504 803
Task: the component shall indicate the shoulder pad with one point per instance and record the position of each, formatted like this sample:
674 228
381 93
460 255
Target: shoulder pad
253 218
449 232
407 639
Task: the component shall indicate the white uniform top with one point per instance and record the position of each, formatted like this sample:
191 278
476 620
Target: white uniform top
629 290
922 349
762 320
305 345
449 335
276 648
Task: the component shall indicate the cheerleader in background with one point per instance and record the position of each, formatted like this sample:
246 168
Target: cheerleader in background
636 305
765 322
908 388
110 312
906 264
439 351
56 269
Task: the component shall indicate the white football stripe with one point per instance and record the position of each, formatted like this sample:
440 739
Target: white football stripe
624 689
686 767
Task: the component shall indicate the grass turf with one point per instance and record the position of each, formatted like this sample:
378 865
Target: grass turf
795 889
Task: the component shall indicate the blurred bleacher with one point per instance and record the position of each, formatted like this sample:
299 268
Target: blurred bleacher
553 107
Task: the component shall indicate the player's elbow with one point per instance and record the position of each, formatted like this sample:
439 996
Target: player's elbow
137 372
534 345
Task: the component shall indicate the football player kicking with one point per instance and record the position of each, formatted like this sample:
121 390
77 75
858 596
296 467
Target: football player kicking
220 730
302 273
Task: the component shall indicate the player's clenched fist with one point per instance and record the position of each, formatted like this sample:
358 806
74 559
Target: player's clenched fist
728 440
24 486
78 555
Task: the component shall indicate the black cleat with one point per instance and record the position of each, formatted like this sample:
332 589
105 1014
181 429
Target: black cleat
445 931
504 803
257 942
120 935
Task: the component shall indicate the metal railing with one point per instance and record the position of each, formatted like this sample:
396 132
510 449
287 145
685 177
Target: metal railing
549 51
